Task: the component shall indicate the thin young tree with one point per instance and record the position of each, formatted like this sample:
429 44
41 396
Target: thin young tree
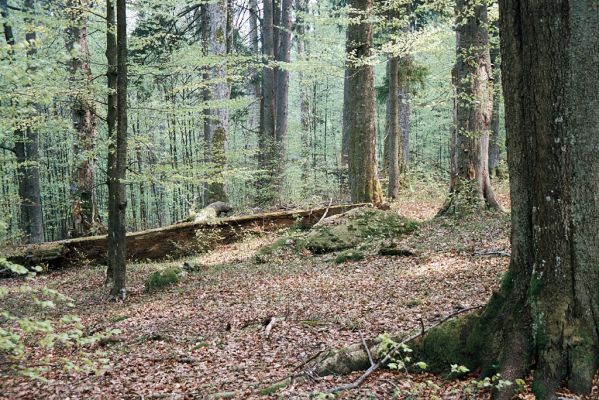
393 129
117 166
470 186
359 106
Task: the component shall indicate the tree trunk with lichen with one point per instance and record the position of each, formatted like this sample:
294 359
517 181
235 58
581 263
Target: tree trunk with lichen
83 116
543 318
359 115
470 185
216 116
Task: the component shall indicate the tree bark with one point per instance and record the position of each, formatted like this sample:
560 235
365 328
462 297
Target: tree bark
470 185
403 94
83 116
283 55
266 138
117 251
545 312
216 117
27 153
494 145
393 130
359 108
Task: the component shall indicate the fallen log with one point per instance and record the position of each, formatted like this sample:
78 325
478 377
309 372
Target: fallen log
171 241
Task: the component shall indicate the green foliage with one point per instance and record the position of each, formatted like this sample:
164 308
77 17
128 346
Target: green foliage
21 333
161 279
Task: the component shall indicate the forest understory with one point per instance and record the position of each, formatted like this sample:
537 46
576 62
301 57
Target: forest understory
206 335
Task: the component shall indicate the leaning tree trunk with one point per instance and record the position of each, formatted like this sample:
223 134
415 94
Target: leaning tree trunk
359 108
117 251
470 185
83 116
216 122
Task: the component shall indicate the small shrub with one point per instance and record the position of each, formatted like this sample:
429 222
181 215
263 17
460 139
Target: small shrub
349 255
161 279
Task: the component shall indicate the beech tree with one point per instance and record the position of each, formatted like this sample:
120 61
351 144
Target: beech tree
84 119
214 31
543 317
359 111
470 186
117 154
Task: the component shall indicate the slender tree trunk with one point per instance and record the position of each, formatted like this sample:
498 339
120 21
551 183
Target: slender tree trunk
254 84
494 145
111 119
305 115
83 116
283 55
403 93
360 108
27 152
346 118
470 185
117 171
216 123
393 130
267 139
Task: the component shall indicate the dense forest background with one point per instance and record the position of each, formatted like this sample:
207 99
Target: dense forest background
54 91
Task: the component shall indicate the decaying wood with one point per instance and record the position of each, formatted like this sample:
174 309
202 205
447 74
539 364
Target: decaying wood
171 241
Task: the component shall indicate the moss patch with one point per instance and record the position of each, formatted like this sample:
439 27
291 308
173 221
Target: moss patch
161 279
349 255
447 344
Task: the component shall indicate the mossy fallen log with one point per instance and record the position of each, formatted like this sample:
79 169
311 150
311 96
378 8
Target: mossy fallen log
171 241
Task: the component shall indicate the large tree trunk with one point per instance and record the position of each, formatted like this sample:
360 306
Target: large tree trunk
544 315
393 148
216 122
359 111
83 115
117 251
470 185
27 153
305 113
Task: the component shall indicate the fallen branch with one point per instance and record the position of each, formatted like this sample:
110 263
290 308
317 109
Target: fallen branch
324 215
358 382
269 327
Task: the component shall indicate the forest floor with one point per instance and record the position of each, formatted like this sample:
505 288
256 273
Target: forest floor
205 335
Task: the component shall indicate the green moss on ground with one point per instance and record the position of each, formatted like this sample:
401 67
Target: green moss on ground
160 279
349 255
359 227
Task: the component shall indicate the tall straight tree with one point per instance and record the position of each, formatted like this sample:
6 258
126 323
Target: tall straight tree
359 106
393 129
83 115
27 151
494 145
117 161
276 47
470 185
545 314
214 31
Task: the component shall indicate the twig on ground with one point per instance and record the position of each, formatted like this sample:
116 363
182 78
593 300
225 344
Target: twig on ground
391 352
367 349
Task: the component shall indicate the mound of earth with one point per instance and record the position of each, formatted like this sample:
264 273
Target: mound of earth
360 227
